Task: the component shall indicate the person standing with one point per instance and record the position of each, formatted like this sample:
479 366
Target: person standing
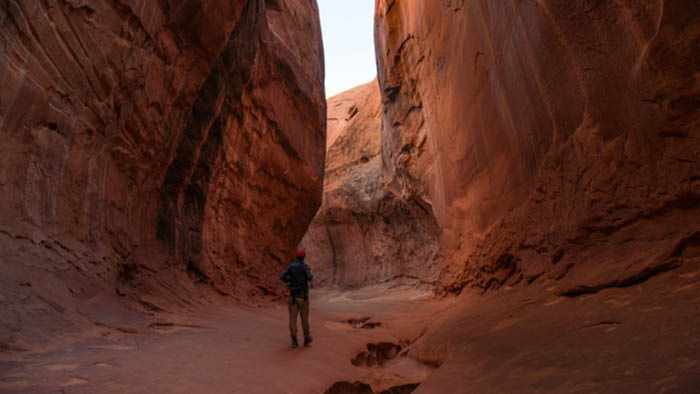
298 275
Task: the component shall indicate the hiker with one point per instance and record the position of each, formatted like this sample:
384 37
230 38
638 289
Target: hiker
298 275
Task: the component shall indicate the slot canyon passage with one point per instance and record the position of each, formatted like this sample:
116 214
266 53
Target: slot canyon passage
512 206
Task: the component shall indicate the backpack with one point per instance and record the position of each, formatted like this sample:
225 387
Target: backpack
297 276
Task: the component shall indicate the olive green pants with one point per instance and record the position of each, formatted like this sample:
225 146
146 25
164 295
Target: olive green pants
298 306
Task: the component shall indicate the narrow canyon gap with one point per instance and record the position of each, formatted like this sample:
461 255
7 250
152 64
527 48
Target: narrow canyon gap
513 206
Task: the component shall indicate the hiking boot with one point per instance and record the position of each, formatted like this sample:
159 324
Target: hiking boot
294 342
307 341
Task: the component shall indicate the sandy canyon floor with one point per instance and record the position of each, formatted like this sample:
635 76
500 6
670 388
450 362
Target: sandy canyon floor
229 349
637 339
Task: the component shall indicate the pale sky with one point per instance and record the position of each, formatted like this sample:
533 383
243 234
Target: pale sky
348 42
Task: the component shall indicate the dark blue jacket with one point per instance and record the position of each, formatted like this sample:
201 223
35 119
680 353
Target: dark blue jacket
298 275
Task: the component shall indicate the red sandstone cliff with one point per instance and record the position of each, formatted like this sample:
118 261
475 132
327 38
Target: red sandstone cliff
365 232
552 139
149 147
521 140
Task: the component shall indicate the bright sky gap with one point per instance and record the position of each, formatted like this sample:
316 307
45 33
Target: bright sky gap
348 42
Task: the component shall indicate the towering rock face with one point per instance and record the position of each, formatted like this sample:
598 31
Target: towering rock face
364 231
551 139
151 145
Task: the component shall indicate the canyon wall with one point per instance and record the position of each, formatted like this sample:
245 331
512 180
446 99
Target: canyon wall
365 232
550 139
153 149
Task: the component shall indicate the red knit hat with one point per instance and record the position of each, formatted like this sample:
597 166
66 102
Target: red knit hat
301 253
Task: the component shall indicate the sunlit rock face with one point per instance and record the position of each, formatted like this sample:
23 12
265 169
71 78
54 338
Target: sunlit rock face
151 146
550 139
365 232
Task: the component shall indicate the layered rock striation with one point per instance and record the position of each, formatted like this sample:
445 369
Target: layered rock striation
151 148
552 140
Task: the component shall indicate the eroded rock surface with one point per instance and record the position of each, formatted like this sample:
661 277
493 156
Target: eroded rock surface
554 145
151 149
365 231
553 140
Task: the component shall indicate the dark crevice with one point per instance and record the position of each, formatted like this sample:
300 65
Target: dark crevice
636 279
334 259
376 354
390 7
390 92
165 326
352 112
688 247
185 190
357 322
273 5
194 272
363 388
604 323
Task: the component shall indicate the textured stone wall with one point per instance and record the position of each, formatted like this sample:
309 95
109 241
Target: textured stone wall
552 140
152 147
365 231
